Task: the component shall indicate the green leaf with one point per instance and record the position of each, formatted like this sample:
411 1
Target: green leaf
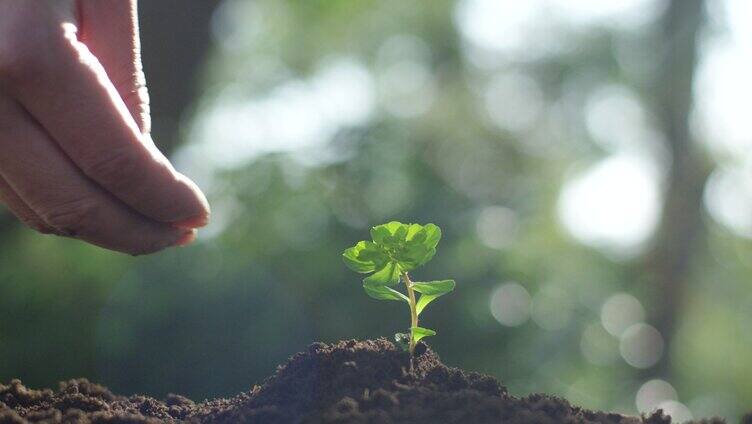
400 234
393 226
428 256
417 249
420 332
372 252
385 233
419 254
380 233
350 256
409 257
389 275
433 235
431 291
413 230
438 287
384 293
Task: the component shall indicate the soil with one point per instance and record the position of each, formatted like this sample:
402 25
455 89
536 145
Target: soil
345 382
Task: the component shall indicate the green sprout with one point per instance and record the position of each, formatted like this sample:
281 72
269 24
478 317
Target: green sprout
395 250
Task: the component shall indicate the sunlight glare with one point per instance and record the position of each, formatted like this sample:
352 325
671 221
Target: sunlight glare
614 205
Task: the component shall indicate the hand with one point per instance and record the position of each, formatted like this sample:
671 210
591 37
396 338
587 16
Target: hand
76 158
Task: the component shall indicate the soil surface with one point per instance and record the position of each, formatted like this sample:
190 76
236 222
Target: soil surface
345 382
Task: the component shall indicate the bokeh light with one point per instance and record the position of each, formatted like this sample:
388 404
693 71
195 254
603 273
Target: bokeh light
598 346
641 345
617 120
613 205
652 394
295 115
404 80
496 226
678 411
728 198
510 304
619 312
513 88
551 308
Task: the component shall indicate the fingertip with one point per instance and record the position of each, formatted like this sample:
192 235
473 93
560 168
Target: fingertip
197 211
197 221
186 238
180 238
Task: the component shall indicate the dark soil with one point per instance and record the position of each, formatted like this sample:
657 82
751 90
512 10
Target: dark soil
345 382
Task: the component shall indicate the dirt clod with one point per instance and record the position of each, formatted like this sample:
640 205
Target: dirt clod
368 382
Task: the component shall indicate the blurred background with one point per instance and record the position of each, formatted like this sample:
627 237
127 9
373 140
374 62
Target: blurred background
589 162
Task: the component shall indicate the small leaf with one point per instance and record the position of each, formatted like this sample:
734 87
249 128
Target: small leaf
420 254
374 253
413 230
393 226
420 332
389 275
433 235
419 237
384 293
383 233
400 234
350 256
380 233
431 291
413 255
438 287
428 256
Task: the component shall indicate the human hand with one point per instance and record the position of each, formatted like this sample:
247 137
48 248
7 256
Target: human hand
76 158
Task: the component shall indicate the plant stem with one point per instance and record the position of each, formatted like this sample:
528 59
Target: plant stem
413 311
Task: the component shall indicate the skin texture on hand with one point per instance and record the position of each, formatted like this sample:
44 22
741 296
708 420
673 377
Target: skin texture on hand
76 157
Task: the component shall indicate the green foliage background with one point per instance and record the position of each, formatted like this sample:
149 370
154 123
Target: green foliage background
215 318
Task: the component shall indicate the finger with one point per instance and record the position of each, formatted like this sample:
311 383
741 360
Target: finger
21 210
109 28
88 119
54 188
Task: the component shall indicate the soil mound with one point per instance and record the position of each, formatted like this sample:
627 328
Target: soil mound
345 382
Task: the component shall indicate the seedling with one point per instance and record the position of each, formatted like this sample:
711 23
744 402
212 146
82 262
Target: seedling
395 250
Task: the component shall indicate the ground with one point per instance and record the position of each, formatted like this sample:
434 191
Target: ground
350 381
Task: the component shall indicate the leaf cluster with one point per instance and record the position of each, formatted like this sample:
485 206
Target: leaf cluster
395 249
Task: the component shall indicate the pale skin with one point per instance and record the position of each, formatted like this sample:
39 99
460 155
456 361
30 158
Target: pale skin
76 157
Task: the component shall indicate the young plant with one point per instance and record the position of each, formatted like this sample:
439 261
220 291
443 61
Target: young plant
395 250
